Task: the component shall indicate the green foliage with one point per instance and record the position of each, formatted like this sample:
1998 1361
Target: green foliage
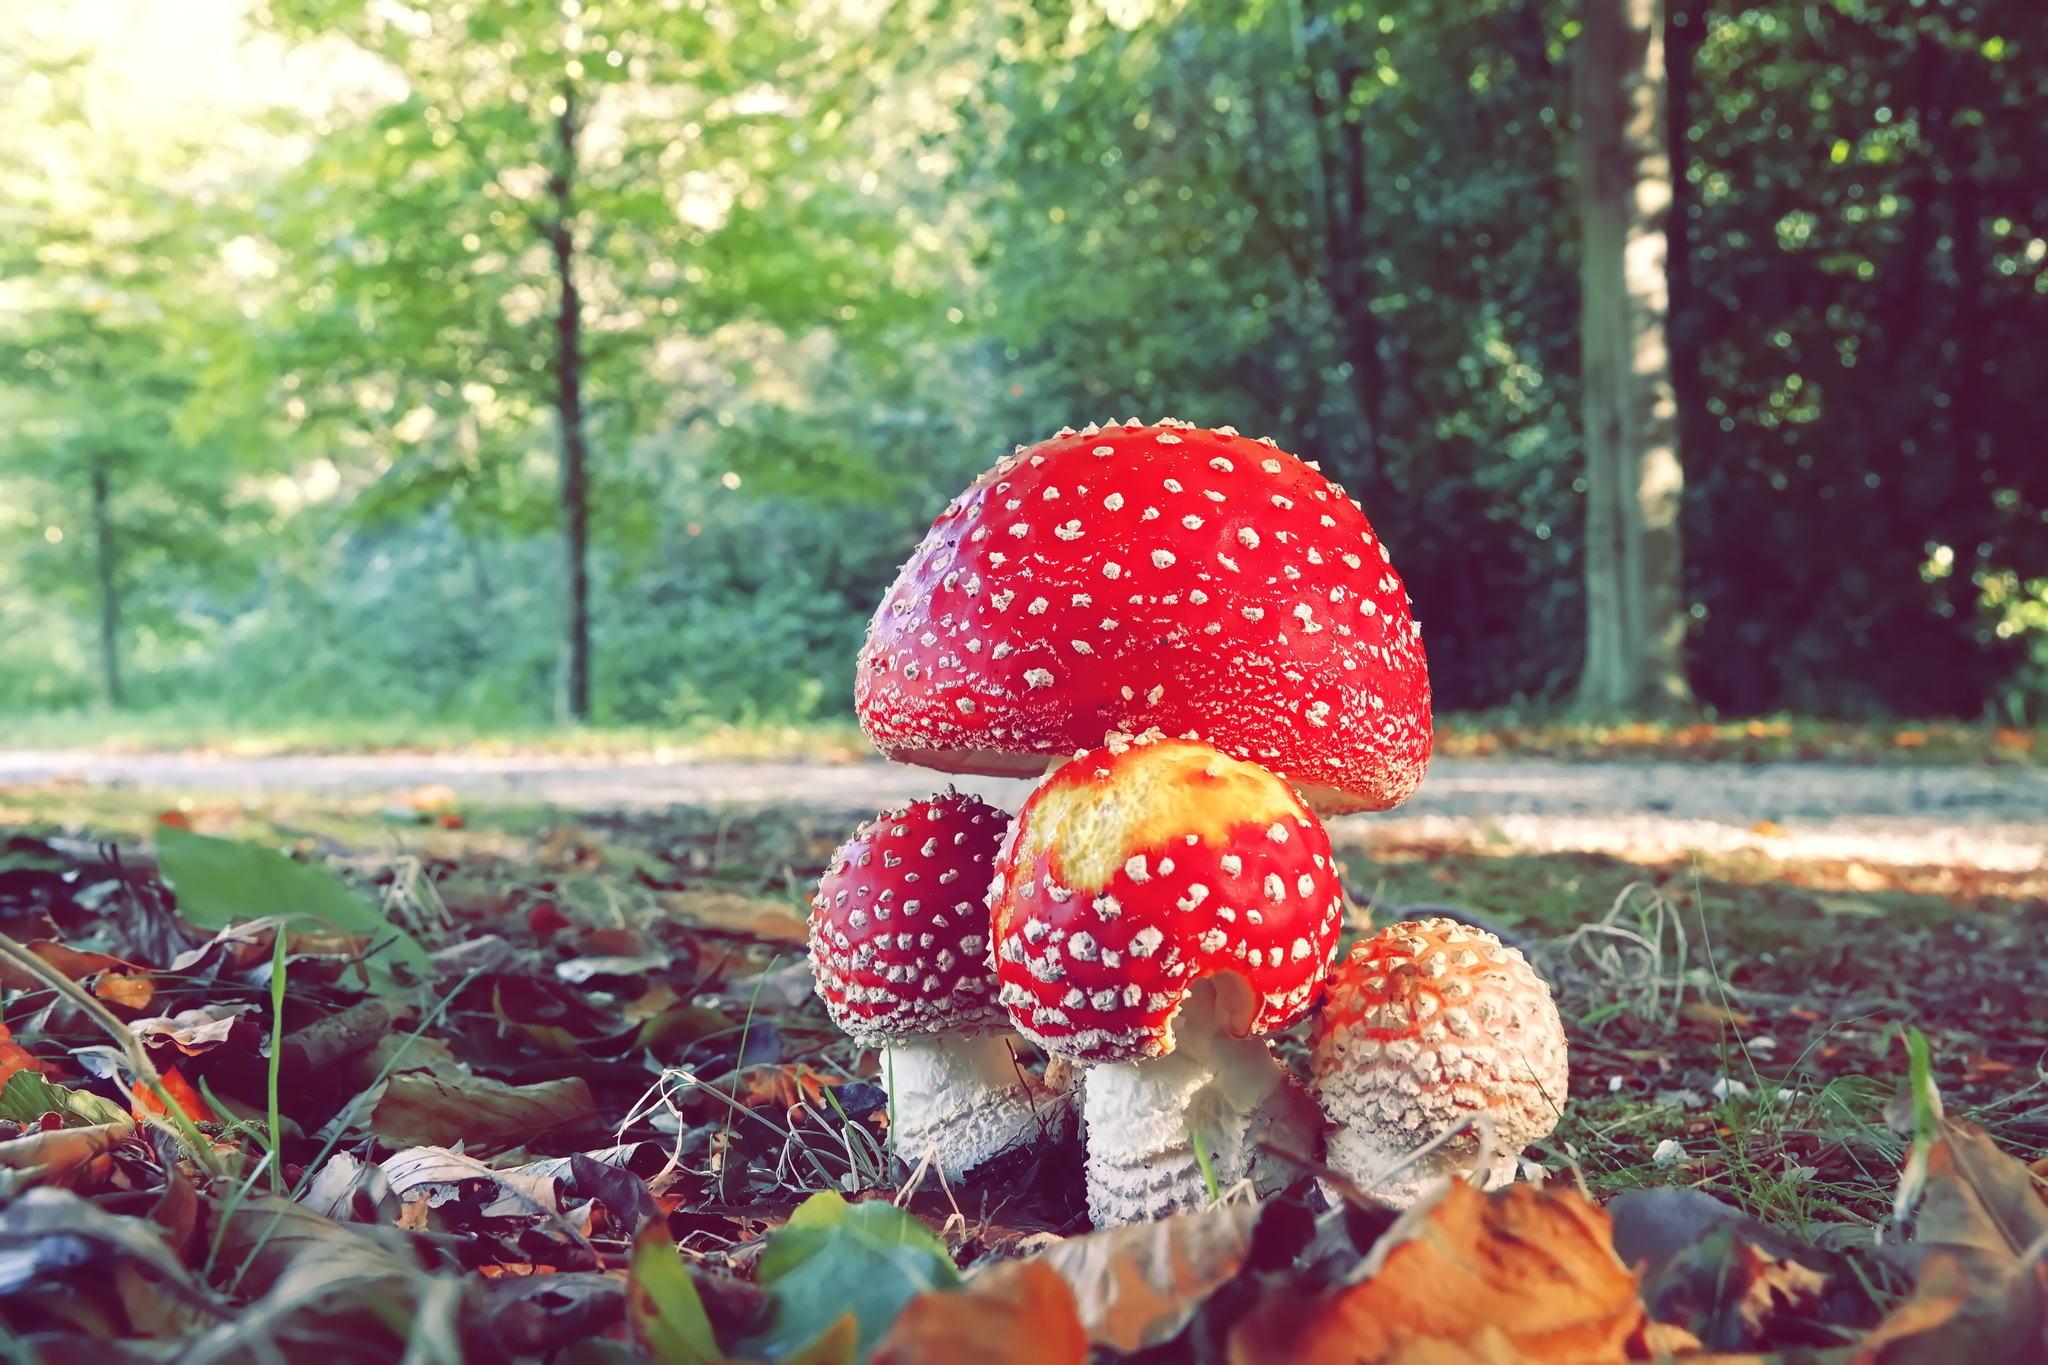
123 451
829 266
1344 227
219 881
667 1316
27 1097
1862 313
834 1258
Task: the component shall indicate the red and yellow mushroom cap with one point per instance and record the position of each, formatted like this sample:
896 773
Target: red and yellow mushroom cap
899 924
1136 869
1132 577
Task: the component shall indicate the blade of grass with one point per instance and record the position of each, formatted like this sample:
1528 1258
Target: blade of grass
739 1061
1208 1166
277 975
1926 1127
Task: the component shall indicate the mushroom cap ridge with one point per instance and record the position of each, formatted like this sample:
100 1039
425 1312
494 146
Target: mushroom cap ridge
1168 577
899 923
1431 1020
1139 868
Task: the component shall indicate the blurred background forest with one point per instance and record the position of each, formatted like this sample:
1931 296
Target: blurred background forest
286 360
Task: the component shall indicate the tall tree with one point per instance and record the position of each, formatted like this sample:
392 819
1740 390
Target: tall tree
1336 224
1635 616
116 488
559 193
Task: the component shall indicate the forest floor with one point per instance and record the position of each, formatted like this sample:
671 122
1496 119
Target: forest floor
1739 1026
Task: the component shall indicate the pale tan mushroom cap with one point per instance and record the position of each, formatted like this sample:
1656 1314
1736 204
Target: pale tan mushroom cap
1430 1021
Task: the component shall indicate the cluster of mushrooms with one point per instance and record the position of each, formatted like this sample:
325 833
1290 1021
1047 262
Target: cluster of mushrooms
1199 643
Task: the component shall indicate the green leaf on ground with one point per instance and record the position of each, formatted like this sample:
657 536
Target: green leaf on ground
220 880
27 1097
833 1258
668 1318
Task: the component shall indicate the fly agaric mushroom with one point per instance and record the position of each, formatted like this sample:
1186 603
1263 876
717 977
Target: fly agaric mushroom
899 945
1158 905
1429 1023
1126 578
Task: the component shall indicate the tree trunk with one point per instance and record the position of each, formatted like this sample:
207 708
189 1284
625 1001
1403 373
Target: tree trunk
110 597
1635 620
573 694
1339 168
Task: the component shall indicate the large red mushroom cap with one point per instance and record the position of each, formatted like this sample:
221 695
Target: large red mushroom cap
1139 868
899 924
1163 577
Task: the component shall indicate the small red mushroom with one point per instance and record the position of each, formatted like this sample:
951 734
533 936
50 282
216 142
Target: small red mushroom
1158 906
1126 578
1431 1023
899 946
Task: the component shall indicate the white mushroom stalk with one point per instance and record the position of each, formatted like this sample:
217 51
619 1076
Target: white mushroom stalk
960 1100
899 948
1143 1118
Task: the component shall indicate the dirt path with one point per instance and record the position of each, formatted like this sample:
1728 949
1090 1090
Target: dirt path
1982 817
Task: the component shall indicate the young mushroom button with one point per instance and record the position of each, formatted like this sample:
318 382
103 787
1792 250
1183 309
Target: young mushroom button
1127 578
1158 906
899 948
1431 1024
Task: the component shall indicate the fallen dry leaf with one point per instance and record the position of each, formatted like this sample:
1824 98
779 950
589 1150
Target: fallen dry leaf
147 1105
1525 1274
192 1031
418 1109
120 982
1137 1286
14 1057
1014 1313
66 1156
1980 1198
736 914
433 1100
1979 1296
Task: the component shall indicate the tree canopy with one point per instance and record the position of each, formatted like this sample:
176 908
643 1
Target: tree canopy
829 263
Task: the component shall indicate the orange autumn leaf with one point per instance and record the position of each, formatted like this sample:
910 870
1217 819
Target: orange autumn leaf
1017 1313
780 1087
1524 1274
179 1089
130 992
14 1057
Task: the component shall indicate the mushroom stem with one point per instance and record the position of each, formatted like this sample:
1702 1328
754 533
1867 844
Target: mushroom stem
1401 1177
1142 1115
963 1100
